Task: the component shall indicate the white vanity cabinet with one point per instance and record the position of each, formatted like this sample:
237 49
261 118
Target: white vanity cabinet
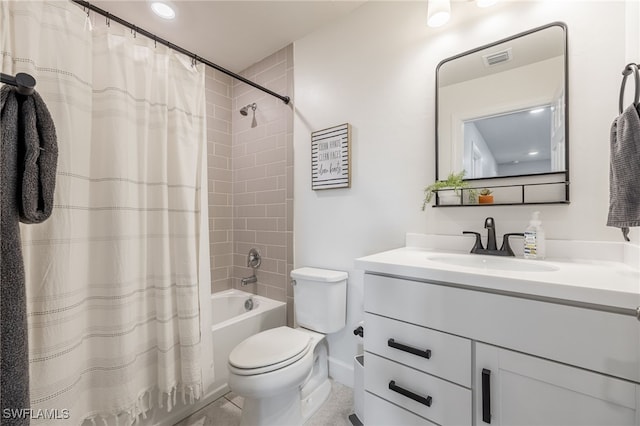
439 352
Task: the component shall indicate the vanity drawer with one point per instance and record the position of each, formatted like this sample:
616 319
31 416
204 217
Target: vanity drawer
435 399
384 413
427 350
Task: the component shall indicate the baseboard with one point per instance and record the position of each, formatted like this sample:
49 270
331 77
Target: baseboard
341 372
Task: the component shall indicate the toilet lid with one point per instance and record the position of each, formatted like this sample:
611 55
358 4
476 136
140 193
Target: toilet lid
270 347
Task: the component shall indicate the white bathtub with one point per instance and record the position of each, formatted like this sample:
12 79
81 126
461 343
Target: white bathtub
232 323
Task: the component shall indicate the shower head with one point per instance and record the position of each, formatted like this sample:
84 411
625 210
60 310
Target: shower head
245 109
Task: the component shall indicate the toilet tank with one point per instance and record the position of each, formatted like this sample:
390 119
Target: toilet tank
320 299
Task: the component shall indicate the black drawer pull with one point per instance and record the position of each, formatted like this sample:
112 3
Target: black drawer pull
402 391
486 395
423 353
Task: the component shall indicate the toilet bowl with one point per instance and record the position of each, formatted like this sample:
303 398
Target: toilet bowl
282 373
280 387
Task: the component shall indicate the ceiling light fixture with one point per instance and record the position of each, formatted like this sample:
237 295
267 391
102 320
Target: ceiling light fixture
532 153
163 10
536 111
438 12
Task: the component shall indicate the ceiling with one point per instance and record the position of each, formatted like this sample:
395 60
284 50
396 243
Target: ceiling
232 34
511 137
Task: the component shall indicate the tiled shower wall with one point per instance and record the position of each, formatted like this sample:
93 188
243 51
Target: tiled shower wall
251 178
219 103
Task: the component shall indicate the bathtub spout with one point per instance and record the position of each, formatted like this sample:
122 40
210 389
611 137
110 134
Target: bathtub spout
249 280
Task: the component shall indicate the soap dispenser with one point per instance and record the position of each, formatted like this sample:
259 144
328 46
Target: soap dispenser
534 241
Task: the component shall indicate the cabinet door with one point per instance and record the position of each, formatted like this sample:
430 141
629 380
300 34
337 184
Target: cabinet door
512 389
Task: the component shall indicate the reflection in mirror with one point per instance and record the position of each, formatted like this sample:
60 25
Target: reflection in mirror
501 108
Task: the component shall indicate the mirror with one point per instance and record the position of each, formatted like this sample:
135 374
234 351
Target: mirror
501 108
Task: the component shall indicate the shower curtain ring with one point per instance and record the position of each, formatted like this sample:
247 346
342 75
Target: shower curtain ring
108 20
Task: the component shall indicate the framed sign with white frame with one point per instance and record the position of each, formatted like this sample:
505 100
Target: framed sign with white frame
330 158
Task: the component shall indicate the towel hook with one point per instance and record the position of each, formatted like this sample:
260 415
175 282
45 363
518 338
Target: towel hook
630 68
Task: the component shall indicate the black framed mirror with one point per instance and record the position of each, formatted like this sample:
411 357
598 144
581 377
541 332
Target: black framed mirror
502 112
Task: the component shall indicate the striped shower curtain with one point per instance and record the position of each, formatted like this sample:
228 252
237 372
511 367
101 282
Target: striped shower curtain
114 276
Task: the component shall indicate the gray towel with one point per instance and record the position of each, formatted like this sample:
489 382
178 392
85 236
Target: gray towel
28 161
624 172
40 161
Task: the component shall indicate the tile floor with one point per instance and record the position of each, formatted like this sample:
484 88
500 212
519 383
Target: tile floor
226 411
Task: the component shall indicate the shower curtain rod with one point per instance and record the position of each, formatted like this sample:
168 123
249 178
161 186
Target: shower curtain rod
24 82
155 38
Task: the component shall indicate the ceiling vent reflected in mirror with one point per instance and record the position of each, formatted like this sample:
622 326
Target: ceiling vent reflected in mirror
497 58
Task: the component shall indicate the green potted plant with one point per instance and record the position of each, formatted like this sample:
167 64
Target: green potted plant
485 196
452 185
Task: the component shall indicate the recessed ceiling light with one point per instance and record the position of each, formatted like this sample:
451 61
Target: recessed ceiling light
163 10
536 111
533 153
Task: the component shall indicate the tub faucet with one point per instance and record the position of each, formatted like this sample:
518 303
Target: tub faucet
249 280
253 261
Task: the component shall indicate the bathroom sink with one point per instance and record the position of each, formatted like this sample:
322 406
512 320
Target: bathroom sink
491 262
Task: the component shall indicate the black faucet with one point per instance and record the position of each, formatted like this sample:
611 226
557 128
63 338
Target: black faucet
490 226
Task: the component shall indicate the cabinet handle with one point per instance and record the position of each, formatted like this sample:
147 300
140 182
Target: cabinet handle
423 353
486 395
402 391
359 331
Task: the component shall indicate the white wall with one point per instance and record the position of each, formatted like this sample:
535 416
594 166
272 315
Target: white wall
376 70
633 31
472 136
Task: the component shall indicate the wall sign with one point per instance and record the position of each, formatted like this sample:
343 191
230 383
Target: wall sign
330 157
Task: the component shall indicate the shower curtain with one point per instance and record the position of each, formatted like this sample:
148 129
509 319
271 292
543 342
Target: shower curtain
115 277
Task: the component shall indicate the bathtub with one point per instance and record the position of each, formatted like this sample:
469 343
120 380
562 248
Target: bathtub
232 323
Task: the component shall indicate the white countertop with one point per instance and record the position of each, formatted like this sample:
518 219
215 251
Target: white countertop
611 283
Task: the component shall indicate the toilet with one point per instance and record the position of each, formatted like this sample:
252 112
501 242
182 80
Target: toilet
282 373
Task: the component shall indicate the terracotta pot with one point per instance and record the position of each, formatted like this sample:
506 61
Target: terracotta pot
485 199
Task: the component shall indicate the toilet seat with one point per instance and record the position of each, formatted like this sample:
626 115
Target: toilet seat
268 351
